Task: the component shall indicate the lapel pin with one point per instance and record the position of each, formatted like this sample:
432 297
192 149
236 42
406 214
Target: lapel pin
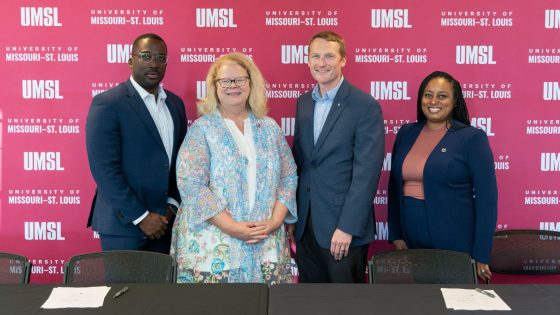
443 150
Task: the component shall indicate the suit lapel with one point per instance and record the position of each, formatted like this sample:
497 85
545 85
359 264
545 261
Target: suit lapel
336 109
306 124
140 108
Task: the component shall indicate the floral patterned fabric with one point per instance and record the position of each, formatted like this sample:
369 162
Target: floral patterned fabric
212 175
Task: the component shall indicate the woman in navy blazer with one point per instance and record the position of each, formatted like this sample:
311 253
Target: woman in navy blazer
459 167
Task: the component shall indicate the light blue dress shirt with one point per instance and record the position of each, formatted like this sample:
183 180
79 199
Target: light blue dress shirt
323 105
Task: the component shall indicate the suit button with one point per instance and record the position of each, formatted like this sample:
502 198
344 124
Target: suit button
307 189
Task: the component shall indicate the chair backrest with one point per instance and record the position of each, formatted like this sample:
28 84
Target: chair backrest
14 268
526 252
427 266
120 267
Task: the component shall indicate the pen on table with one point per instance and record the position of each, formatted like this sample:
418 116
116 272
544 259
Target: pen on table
479 290
120 292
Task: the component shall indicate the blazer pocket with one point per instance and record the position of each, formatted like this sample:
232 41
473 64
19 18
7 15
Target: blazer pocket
339 199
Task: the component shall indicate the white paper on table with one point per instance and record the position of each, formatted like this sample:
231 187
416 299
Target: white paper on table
471 300
66 297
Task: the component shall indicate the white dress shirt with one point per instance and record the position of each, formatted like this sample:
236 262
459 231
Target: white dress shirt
164 124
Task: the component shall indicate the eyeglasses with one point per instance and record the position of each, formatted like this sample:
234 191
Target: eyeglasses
147 57
239 82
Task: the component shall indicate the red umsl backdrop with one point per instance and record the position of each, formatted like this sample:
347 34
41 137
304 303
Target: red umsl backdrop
504 54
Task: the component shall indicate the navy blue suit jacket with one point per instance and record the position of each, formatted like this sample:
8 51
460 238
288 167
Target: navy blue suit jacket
460 166
128 160
338 175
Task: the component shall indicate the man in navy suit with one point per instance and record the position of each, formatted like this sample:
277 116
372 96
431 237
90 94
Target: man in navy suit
133 134
338 148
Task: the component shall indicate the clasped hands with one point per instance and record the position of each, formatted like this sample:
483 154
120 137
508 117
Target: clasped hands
253 232
154 225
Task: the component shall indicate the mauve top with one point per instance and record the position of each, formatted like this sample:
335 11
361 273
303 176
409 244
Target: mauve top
413 166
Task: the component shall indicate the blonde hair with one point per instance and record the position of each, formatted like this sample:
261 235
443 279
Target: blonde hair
257 101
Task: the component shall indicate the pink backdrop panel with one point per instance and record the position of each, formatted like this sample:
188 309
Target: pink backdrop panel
59 55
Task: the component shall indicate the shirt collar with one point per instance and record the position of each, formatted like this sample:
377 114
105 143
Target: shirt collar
143 93
329 95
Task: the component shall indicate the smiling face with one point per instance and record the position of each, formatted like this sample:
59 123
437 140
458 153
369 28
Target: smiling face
325 63
232 99
438 102
148 74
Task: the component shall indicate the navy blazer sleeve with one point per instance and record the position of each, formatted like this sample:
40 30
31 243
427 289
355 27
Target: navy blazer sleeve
482 173
103 141
394 197
369 148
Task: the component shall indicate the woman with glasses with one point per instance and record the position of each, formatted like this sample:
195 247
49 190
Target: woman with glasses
237 180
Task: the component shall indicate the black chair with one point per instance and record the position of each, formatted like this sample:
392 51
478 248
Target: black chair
529 252
120 267
14 268
423 266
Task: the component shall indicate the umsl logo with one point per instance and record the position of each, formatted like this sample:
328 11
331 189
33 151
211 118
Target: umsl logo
550 226
382 231
484 123
390 90
389 18
41 89
551 91
39 16
206 17
295 54
475 55
16 269
550 162
200 89
387 162
288 125
43 231
552 18
42 161
118 53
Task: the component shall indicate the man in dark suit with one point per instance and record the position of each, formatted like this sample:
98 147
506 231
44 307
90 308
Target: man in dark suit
133 134
338 147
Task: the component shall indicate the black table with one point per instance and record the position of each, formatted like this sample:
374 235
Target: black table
401 299
154 299
306 299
